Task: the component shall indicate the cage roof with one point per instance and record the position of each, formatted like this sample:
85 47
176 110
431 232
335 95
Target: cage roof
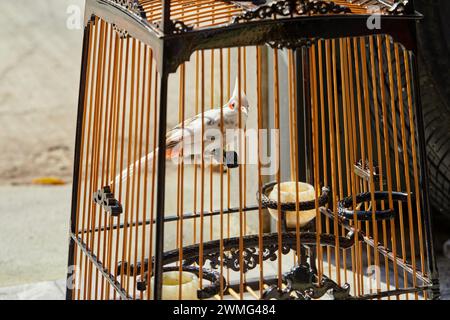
199 14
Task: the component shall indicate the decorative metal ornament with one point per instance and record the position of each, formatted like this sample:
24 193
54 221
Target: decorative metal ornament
388 214
250 258
176 26
179 27
292 43
301 284
105 198
362 169
286 8
133 6
399 7
123 34
231 256
323 7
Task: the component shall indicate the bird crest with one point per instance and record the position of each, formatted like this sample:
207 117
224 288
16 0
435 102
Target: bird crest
235 96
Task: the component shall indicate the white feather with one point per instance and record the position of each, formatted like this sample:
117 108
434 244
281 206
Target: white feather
195 127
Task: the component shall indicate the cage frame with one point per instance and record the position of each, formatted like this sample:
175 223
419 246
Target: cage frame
173 44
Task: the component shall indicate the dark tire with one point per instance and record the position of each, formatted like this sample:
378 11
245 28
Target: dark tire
434 65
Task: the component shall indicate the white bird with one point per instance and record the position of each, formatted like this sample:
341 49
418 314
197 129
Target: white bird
191 141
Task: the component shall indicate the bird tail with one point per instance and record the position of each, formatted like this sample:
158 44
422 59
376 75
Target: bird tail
147 159
127 172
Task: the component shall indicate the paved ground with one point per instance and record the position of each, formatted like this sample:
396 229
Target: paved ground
49 290
39 76
33 233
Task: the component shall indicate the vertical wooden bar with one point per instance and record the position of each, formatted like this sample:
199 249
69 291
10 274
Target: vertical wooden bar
84 219
211 180
107 151
386 145
228 171
84 235
147 150
304 121
122 93
96 151
323 136
181 183
202 174
315 153
414 158
353 112
128 202
294 147
112 157
152 204
392 86
222 131
136 161
244 155
334 189
373 54
197 90
388 161
361 153
142 81
337 135
122 153
277 152
367 113
345 55
241 213
260 213
406 167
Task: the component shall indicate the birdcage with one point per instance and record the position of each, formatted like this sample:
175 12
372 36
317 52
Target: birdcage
250 150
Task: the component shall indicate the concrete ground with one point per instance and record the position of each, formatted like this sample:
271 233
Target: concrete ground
39 75
34 234
48 290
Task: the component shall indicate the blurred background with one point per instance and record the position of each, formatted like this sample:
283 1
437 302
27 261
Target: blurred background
40 56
